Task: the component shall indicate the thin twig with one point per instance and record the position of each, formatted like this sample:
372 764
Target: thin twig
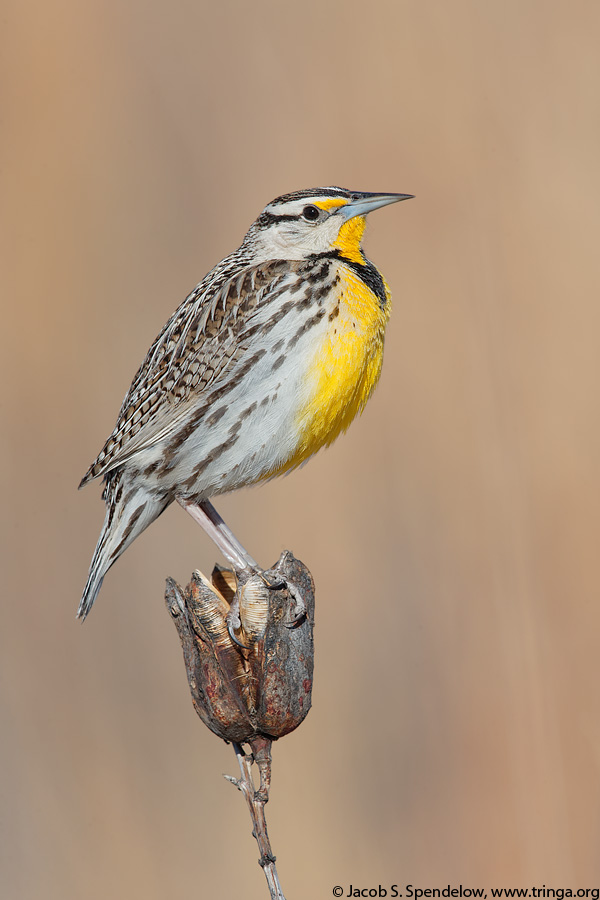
256 804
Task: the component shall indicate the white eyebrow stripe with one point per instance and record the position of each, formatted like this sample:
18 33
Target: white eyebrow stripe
292 208
295 207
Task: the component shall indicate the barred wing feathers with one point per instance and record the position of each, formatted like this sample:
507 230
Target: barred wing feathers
203 340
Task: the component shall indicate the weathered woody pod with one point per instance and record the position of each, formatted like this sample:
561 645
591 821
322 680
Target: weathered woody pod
262 688
257 687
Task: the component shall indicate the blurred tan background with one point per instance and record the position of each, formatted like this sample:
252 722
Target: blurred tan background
453 533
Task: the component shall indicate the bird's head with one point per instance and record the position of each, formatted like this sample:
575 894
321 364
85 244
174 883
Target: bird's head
320 220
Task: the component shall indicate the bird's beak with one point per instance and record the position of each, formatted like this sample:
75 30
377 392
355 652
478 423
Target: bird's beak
361 204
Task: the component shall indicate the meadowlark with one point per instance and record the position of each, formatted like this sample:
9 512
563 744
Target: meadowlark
267 360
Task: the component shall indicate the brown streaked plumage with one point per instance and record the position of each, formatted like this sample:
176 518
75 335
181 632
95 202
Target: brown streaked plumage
265 361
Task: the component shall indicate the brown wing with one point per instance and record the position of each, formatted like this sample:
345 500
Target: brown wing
206 335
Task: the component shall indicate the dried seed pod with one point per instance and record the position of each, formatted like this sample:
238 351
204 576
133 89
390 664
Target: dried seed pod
254 608
209 607
224 581
217 674
284 672
264 690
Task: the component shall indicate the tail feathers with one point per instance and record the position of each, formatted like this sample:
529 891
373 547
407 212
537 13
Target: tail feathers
93 584
128 514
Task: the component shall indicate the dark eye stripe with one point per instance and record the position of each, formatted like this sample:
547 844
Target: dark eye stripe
266 219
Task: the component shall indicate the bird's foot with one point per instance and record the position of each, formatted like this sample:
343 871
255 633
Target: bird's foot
298 609
234 621
273 582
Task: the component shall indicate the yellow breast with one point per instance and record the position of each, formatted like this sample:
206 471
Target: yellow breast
345 368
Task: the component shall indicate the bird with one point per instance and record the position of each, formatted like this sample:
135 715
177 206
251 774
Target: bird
268 359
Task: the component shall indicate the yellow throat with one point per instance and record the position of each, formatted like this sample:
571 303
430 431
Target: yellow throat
347 363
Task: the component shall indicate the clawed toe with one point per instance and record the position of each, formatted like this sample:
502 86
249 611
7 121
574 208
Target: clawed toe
234 622
298 606
275 584
298 609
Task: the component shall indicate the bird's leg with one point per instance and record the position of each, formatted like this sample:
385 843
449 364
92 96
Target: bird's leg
207 516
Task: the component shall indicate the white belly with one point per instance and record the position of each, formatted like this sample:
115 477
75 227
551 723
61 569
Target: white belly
250 427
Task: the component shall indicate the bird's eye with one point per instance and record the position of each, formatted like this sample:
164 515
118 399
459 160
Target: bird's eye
310 213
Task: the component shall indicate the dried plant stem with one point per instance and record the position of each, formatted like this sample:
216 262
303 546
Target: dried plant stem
253 692
256 800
